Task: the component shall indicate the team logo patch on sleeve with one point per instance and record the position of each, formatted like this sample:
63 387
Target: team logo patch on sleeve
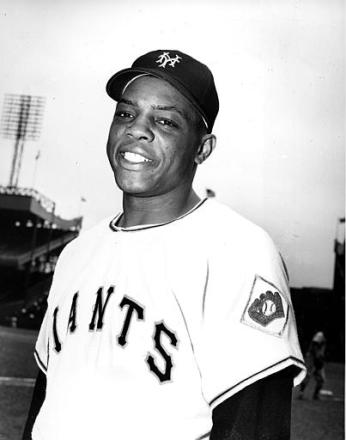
267 308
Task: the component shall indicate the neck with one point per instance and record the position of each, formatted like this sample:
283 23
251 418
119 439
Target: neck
156 209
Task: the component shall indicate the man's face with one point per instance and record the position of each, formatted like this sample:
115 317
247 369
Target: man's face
153 139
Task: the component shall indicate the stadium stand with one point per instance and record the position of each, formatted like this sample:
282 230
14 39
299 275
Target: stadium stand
324 309
31 239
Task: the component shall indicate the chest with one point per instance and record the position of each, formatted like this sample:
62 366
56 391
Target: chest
137 304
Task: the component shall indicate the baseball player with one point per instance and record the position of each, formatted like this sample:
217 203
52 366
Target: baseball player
173 319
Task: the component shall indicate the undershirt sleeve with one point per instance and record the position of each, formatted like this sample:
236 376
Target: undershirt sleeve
261 411
36 403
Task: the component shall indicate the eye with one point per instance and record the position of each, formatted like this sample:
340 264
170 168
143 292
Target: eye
123 114
168 123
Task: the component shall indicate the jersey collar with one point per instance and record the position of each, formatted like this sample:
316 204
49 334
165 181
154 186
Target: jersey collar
115 220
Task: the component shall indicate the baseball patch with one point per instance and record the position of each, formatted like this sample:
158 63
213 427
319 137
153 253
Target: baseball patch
267 308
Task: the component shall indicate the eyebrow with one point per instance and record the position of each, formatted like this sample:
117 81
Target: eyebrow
126 101
157 107
170 108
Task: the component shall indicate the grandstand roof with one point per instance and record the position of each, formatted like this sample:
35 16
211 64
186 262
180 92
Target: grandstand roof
27 203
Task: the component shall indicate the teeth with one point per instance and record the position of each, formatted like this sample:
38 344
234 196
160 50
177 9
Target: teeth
134 157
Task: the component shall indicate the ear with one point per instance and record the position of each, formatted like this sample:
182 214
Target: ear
206 147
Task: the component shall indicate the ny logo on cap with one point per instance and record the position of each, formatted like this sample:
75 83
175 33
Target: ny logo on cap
165 59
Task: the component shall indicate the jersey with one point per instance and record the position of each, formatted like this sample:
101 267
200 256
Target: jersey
149 328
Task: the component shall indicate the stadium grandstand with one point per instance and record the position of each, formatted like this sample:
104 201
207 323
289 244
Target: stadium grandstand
31 239
320 309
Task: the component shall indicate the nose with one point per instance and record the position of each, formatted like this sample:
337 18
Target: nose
140 129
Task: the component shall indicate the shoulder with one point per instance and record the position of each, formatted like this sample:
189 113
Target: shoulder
87 240
228 226
233 239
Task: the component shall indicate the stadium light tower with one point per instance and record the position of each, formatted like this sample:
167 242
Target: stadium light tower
21 120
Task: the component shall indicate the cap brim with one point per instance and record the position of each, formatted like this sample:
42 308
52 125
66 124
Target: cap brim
119 80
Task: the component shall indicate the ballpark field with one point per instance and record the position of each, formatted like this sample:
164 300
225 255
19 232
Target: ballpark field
311 419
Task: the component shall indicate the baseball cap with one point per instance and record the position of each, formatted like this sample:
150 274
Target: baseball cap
190 77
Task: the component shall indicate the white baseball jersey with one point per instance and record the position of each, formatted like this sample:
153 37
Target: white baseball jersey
149 328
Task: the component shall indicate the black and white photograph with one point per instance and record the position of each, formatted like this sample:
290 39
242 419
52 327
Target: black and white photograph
172 220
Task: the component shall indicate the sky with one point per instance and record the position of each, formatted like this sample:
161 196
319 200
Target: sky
279 68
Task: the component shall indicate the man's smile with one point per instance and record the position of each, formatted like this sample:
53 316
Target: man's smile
134 157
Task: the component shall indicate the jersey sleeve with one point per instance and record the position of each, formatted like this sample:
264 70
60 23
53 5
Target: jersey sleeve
71 261
41 352
249 330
